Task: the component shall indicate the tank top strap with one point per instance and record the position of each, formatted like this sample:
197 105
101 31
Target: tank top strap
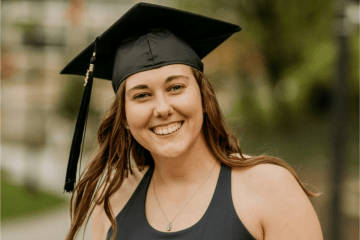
136 202
222 199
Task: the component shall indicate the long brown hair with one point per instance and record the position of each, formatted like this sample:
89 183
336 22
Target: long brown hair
112 162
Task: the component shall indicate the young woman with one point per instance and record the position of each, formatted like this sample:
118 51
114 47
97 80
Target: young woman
191 180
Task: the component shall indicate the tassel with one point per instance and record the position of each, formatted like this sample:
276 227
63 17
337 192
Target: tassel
80 128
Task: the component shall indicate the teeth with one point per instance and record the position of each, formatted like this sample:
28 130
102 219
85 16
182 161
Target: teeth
167 129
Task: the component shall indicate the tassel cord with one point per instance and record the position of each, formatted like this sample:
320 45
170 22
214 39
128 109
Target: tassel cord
79 135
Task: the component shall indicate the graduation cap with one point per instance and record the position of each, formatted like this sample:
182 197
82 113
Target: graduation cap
147 36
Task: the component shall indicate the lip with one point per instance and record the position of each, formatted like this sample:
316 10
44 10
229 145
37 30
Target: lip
166 124
152 129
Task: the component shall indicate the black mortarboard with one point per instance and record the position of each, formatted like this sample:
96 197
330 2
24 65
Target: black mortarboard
146 37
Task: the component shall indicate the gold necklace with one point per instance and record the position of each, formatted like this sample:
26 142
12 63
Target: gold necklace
169 226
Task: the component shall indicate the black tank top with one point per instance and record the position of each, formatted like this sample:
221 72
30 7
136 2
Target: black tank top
220 221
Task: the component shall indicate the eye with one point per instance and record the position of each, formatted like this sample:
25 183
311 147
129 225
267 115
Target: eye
176 88
141 96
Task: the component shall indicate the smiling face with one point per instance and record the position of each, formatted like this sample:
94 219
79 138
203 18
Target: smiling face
164 110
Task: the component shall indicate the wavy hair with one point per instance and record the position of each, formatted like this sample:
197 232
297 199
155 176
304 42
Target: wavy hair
111 164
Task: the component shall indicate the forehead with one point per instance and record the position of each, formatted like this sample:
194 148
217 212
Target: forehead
158 74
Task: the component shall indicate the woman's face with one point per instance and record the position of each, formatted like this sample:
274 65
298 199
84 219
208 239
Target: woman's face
164 110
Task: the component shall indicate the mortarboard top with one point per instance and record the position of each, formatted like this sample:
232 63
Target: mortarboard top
202 34
146 37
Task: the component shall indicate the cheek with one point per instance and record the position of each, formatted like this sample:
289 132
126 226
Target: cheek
191 106
137 115
137 119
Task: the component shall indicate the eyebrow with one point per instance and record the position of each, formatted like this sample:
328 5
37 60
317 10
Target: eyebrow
144 86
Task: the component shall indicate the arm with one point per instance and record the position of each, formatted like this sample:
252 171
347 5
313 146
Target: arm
288 213
279 207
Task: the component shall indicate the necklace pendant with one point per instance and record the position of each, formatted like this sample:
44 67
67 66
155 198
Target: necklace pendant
169 226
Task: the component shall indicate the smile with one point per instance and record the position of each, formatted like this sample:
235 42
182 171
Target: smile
165 130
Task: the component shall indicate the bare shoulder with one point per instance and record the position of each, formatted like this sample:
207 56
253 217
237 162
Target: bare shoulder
100 221
265 176
279 207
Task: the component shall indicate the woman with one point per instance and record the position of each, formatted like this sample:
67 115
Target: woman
192 180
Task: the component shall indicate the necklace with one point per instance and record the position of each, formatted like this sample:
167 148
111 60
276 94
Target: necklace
157 200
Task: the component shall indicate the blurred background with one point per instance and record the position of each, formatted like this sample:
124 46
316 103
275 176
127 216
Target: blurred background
288 84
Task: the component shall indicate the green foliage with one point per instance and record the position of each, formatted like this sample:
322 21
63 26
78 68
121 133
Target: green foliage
299 46
284 29
17 201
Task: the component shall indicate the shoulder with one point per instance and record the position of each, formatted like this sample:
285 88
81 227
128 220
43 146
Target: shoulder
265 181
265 176
280 206
100 221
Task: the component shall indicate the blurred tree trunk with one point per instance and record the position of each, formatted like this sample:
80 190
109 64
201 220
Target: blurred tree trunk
339 125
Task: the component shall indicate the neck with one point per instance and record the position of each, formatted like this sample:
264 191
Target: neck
186 169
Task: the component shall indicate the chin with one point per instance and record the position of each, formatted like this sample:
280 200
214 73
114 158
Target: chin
169 152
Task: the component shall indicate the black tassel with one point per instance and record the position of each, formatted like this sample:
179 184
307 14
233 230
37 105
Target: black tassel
79 134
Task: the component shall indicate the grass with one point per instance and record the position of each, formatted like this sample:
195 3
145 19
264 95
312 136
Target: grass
16 201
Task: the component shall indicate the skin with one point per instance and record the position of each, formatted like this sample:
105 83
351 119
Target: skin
267 198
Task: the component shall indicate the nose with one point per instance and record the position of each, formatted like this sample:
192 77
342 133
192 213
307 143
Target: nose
163 108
